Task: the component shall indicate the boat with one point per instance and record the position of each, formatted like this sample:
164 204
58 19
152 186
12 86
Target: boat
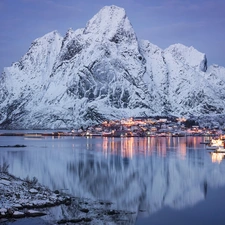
215 144
33 135
220 150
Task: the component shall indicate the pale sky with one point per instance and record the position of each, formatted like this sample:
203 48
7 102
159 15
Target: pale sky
197 23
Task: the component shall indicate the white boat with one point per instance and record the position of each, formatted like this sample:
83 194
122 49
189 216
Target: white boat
220 150
215 144
33 135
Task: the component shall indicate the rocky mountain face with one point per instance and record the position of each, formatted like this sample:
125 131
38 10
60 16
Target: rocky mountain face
104 72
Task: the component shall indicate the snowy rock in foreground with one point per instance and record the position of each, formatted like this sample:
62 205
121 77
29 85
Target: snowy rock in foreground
19 200
19 195
33 191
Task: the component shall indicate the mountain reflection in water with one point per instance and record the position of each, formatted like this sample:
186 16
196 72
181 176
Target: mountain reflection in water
145 174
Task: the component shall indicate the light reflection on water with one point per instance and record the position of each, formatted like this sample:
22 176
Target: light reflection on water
144 174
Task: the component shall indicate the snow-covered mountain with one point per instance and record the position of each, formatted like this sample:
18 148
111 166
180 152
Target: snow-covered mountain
104 72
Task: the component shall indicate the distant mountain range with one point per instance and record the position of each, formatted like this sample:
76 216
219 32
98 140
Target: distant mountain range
104 72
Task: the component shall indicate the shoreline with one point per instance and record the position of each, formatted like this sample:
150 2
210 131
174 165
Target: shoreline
19 197
26 198
68 134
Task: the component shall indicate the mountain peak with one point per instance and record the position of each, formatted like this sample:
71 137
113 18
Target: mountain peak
49 36
109 21
189 55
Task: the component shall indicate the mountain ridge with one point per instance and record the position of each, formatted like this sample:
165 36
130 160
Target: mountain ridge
104 72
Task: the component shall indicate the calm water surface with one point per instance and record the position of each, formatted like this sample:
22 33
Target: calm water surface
166 180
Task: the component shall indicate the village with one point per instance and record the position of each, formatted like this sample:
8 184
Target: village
132 127
147 127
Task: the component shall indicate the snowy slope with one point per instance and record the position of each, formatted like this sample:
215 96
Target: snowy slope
103 72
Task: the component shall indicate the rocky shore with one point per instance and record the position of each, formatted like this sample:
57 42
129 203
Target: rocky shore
26 198
19 197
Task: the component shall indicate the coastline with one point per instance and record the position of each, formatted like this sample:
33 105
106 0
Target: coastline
24 199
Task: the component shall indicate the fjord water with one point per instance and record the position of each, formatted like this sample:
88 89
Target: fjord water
166 180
